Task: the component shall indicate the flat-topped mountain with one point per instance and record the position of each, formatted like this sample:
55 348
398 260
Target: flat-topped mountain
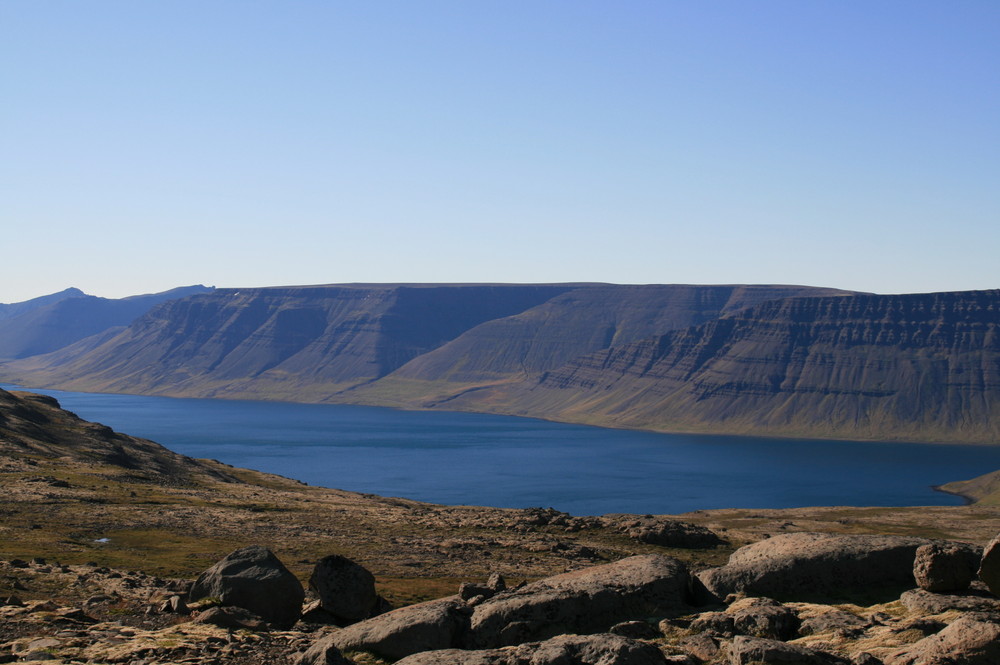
921 367
769 360
312 343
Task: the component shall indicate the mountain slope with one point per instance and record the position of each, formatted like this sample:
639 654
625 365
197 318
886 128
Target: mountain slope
294 343
921 367
63 321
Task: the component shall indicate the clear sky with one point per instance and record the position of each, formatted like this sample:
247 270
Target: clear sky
848 143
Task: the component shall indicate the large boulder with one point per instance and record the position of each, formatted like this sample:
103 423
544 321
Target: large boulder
814 566
254 579
603 649
972 639
590 600
989 566
346 590
942 567
436 624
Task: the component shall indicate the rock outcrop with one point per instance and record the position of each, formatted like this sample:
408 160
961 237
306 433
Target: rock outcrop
254 579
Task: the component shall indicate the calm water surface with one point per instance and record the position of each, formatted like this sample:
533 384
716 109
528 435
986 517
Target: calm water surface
462 458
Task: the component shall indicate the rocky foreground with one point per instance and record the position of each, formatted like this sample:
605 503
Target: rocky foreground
806 599
115 550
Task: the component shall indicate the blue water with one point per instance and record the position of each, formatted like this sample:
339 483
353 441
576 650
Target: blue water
474 459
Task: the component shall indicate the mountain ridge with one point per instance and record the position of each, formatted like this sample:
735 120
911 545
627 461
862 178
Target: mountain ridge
738 359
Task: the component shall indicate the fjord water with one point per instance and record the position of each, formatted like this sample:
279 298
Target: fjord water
475 459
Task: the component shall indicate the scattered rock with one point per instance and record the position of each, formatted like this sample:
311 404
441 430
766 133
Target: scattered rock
496 583
346 589
813 566
175 605
254 579
942 567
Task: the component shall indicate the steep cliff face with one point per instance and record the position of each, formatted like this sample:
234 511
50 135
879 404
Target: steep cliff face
280 343
581 321
921 367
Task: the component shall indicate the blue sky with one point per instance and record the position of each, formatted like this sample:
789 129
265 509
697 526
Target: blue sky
147 145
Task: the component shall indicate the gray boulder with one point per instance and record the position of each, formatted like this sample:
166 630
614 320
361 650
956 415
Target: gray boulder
941 567
346 590
254 579
989 566
603 649
436 624
972 639
756 651
590 600
814 566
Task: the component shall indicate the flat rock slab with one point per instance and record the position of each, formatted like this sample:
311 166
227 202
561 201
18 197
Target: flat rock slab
602 649
813 566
